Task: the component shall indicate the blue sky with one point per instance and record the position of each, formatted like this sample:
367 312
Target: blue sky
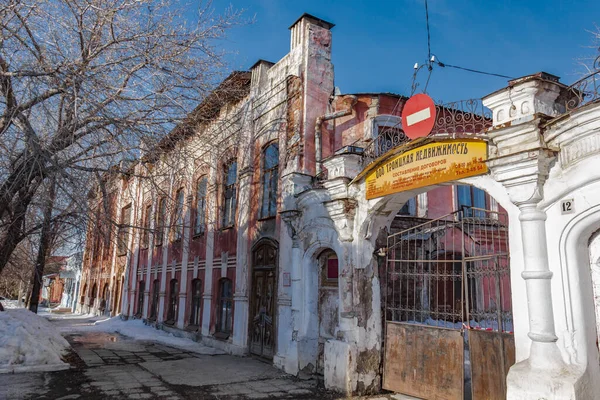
376 43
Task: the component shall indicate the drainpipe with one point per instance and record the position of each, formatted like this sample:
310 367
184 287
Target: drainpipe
327 117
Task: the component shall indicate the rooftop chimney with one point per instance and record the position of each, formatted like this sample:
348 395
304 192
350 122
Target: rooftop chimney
297 31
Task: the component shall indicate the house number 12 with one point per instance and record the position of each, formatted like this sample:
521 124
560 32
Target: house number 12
567 206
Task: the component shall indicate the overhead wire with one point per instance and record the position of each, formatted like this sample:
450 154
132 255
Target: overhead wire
433 59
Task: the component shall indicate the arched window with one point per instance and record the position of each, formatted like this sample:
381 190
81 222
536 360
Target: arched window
123 235
270 176
178 216
330 268
200 221
140 302
146 231
173 301
104 296
224 310
196 302
160 220
154 308
83 294
93 296
229 194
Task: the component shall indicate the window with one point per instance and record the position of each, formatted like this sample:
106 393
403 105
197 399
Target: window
173 303
83 294
199 223
160 220
409 208
229 194
146 231
123 235
224 311
330 268
196 302
140 303
154 308
270 176
178 216
470 196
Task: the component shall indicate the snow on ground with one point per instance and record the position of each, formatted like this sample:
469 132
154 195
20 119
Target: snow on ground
10 304
29 342
136 329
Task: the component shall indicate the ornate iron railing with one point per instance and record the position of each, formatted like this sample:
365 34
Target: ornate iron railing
461 118
464 118
384 142
586 90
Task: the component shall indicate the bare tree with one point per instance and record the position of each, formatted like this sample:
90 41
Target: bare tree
85 84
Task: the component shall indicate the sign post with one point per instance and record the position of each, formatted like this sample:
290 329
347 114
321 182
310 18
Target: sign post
418 116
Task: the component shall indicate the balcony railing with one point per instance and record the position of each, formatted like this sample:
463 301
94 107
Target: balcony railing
465 118
586 90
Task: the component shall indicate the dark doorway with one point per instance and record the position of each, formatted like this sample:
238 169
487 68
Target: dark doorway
262 315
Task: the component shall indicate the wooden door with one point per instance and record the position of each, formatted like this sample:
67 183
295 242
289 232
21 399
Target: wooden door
262 316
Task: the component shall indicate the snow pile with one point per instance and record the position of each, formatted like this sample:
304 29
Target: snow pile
29 342
10 304
136 329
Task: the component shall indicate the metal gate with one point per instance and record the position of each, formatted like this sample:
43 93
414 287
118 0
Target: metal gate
448 312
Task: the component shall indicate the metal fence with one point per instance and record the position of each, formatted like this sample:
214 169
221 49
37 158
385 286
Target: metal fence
451 272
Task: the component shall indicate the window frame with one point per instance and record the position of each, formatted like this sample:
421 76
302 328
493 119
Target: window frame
229 201
177 217
325 256
161 217
409 209
474 193
200 209
140 299
145 242
196 303
227 301
155 300
270 186
173 309
123 231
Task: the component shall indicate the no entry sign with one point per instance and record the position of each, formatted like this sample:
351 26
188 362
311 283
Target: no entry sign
418 116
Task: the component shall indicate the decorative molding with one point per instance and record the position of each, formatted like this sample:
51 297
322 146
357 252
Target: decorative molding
293 222
579 149
342 214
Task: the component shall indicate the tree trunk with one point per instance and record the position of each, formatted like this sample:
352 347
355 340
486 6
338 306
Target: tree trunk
20 300
43 248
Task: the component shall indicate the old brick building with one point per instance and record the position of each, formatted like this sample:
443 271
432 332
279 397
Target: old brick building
250 228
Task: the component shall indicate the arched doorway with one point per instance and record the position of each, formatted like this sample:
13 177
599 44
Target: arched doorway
446 297
105 300
262 306
594 250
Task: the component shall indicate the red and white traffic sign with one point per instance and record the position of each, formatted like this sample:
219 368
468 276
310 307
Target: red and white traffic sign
418 116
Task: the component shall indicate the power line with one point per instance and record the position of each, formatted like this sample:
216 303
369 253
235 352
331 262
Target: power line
441 64
428 33
432 59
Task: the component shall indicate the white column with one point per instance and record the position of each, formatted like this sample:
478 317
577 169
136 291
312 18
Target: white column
186 253
148 279
133 247
165 254
240 296
210 252
537 275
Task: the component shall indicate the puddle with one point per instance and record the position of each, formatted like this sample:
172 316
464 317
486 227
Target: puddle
97 339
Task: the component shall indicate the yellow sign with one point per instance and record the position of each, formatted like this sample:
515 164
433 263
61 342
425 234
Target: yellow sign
429 164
